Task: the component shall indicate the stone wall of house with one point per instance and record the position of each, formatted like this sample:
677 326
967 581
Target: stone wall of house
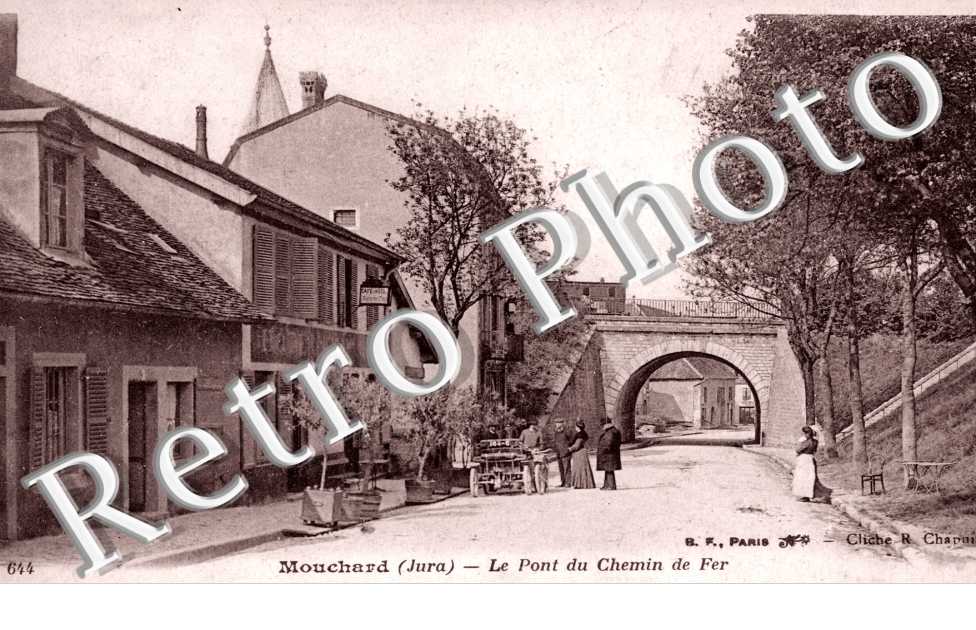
673 401
335 158
132 348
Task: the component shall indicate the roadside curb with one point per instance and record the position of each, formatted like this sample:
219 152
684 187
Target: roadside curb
872 521
203 553
916 555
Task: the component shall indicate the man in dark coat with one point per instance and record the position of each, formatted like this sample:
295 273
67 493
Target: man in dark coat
562 439
608 455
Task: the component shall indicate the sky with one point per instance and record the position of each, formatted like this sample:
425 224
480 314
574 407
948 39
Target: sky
600 84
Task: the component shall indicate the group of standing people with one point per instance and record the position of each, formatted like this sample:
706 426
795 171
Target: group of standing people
574 462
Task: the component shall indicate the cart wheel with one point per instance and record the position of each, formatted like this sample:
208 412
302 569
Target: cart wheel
473 481
527 479
542 477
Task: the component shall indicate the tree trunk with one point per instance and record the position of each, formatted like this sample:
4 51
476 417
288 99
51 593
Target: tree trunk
860 452
809 383
909 440
830 445
422 463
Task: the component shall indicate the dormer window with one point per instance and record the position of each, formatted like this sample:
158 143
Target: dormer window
62 212
54 204
44 188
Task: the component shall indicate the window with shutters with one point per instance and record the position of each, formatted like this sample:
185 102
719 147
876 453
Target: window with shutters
51 412
372 312
285 274
56 408
347 292
97 411
327 286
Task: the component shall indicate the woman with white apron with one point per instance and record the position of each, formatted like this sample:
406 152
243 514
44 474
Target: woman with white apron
806 484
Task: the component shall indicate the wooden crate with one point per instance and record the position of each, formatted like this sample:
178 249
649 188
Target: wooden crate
322 507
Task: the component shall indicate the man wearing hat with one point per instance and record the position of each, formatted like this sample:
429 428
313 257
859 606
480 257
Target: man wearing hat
608 454
562 438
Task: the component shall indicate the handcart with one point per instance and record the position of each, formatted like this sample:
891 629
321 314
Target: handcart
505 465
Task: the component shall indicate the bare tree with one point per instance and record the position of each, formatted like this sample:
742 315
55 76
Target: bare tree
461 175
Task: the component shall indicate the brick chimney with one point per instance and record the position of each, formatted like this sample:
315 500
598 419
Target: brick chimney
202 132
313 88
8 48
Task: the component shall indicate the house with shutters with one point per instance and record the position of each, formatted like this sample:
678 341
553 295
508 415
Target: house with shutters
332 156
110 327
137 277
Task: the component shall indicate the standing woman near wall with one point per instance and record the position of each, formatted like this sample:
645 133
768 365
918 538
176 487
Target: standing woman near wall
580 463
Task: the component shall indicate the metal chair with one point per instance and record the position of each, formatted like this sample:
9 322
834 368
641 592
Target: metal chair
874 476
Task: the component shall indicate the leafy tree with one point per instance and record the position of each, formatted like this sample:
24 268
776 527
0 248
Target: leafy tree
921 184
942 313
439 416
461 175
371 403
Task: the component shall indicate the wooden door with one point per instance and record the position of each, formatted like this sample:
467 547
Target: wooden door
141 423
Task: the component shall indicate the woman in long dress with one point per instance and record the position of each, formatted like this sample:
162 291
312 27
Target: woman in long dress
806 483
580 463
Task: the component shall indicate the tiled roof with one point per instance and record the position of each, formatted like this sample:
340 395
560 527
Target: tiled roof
711 368
267 197
135 263
680 370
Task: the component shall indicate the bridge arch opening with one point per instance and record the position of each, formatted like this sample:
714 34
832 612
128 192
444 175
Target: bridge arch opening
699 404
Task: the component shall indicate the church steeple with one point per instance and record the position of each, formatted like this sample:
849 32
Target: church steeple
269 103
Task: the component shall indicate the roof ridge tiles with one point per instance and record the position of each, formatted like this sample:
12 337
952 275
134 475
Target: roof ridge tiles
189 156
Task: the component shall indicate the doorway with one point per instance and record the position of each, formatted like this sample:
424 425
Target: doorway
143 422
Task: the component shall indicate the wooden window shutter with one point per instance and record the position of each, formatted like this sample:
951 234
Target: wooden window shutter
246 440
96 410
354 297
38 416
304 277
264 269
283 288
372 312
326 286
341 294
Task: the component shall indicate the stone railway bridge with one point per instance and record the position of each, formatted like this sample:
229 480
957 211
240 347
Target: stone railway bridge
633 338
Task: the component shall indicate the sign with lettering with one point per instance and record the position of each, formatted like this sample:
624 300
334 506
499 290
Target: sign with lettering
285 343
374 295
